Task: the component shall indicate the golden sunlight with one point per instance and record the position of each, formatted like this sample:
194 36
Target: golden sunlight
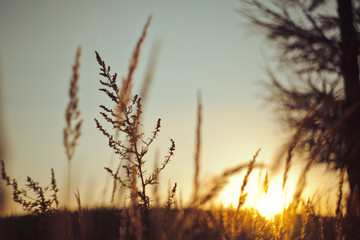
267 204
270 204
275 200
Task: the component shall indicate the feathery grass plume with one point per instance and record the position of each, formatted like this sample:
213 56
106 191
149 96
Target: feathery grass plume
198 148
72 130
40 202
242 197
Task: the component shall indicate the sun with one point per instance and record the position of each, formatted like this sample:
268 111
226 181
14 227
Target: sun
274 201
270 204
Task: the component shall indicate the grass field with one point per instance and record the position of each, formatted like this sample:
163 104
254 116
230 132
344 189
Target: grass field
106 223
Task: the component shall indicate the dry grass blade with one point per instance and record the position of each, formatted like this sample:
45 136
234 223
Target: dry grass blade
242 197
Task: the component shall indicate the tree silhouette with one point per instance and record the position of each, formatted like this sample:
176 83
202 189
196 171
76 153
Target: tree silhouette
318 42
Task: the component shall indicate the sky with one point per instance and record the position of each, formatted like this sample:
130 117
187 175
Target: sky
205 46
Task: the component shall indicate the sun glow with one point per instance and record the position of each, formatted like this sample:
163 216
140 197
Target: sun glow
270 204
267 204
275 200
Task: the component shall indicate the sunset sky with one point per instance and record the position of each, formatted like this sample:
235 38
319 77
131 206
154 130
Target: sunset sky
205 46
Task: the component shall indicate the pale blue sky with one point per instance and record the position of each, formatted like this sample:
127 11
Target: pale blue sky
205 46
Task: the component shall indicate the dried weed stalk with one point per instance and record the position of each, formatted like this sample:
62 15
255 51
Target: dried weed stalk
132 147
